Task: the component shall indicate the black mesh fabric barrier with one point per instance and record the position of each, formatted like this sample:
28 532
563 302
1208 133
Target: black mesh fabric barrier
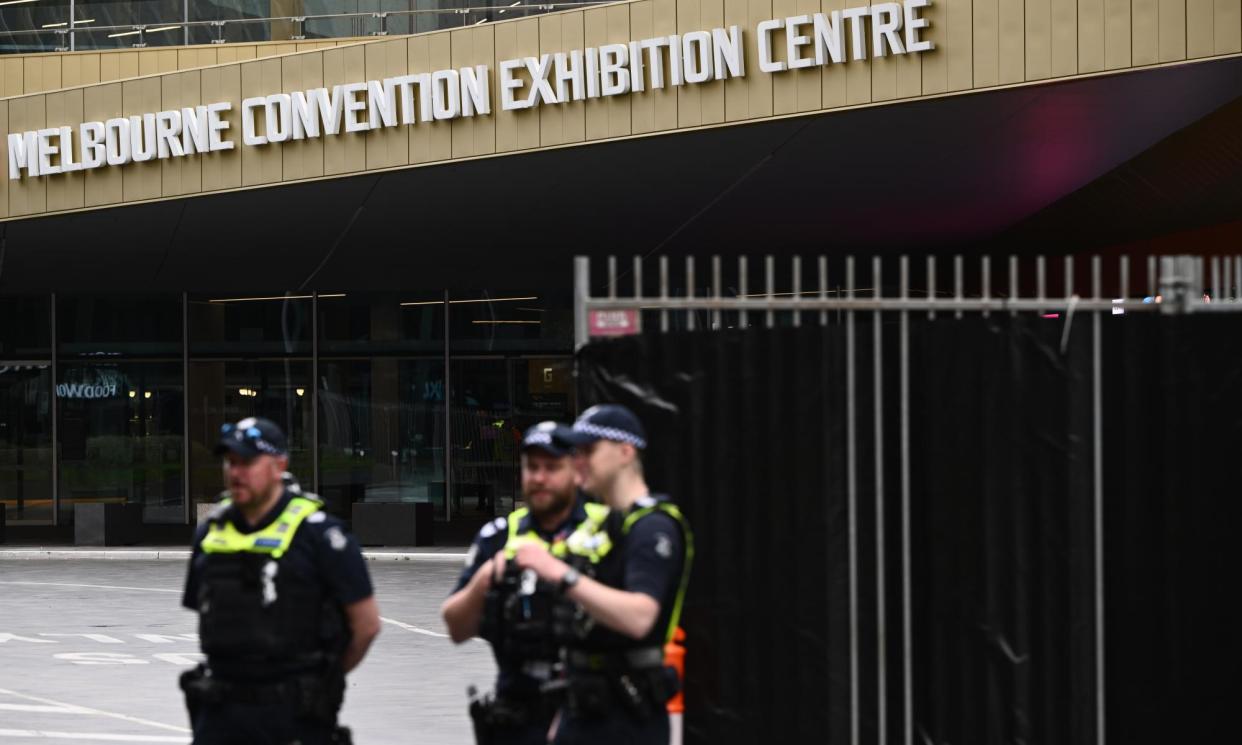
750 434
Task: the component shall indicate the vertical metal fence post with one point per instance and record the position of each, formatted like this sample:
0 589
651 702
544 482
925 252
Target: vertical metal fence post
690 293
823 289
582 293
1123 291
985 275
852 493
769 289
1226 278
907 612
716 324
448 413
638 290
55 417
743 319
1098 501
881 605
1216 295
314 391
187 510
1013 282
797 289
1041 280
664 293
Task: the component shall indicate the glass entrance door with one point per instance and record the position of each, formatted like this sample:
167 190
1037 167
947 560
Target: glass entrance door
494 400
121 427
26 441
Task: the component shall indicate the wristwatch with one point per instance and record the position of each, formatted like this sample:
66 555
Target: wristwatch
568 580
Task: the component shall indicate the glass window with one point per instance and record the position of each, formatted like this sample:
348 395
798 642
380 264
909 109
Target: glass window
159 16
121 435
26 441
328 28
511 321
32 28
26 328
226 391
494 401
381 431
367 324
485 438
238 10
94 327
544 389
245 325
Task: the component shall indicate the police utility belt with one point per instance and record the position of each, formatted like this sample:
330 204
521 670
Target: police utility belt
310 694
634 681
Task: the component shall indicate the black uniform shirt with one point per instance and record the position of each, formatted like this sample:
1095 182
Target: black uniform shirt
320 548
649 560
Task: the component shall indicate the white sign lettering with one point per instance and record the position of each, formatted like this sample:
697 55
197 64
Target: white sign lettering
793 43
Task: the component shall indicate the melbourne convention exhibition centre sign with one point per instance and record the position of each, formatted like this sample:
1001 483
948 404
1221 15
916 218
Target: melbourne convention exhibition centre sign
783 44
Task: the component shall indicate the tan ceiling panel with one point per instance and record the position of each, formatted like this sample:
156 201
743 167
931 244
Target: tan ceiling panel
978 44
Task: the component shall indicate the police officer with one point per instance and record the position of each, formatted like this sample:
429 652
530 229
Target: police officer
618 684
522 619
285 604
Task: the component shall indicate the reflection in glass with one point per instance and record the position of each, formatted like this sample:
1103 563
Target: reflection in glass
43 26
543 390
365 324
105 326
26 441
494 402
246 325
121 436
381 431
511 321
485 439
226 391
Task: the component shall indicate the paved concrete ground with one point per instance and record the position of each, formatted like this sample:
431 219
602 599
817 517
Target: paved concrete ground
90 652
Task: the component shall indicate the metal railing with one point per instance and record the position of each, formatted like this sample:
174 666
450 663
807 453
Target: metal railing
833 295
73 36
1172 284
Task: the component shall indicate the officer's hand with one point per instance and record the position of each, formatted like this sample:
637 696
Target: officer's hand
536 557
489 571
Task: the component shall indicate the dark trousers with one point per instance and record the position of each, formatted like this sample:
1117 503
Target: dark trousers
621 728
257 724
531 734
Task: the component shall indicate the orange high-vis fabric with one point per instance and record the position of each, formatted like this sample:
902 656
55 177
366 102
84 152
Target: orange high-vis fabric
675 657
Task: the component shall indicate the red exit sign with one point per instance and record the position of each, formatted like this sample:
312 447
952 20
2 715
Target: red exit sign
614 322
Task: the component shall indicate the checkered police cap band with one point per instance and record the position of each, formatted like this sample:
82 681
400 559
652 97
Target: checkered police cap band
610 433
246 431
539 438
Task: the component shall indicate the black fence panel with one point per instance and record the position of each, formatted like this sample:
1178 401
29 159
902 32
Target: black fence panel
1001 505
750 440
1173 489
750 433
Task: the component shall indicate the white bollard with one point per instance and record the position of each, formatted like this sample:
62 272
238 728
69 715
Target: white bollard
674 729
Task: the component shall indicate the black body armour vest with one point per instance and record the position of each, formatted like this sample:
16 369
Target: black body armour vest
257 619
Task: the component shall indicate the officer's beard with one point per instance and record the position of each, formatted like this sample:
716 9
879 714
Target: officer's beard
555 503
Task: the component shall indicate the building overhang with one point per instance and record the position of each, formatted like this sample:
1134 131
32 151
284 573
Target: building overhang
949 171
